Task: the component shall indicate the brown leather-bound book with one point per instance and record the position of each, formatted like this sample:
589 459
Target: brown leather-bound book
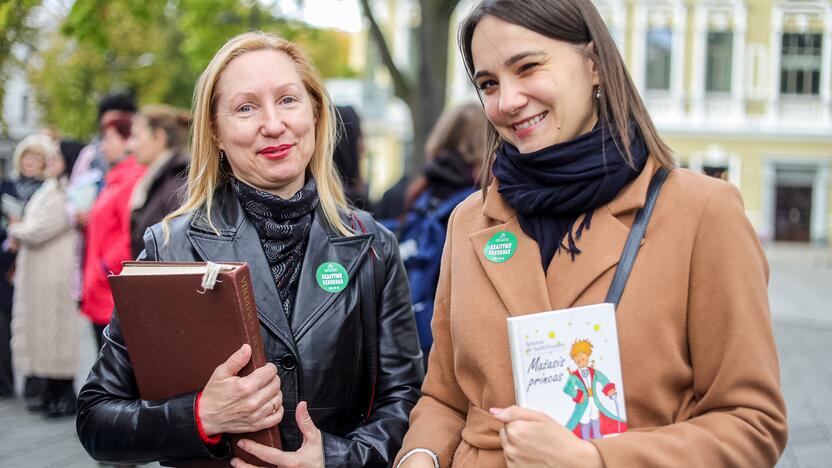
177 332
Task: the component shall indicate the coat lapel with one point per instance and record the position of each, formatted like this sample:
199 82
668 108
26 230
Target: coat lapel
519 281
239 242
601 245
311 301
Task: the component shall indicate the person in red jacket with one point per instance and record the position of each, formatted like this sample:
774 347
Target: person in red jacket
108 228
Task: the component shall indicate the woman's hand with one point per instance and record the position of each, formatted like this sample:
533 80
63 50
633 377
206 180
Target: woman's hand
234 404
309 455
533 439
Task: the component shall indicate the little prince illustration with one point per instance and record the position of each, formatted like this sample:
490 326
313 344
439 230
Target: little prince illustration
591 419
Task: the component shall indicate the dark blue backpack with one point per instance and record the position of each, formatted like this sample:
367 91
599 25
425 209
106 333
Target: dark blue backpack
421 240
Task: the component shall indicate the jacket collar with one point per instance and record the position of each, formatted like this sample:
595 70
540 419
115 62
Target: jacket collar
521 282
238 241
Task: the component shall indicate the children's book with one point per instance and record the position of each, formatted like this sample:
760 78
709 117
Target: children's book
566 364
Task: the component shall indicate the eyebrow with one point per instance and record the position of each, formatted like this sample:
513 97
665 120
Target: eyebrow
510 61
249 94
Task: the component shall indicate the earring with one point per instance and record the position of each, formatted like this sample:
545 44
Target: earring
222 156
598 92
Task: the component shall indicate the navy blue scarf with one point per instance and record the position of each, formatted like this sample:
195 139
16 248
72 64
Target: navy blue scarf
550 188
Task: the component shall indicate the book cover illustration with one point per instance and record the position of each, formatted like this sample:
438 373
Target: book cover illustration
566 364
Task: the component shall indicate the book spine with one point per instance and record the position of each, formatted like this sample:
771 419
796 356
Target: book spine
250 322
251 333
515 345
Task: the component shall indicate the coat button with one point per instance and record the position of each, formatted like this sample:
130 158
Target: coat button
287 362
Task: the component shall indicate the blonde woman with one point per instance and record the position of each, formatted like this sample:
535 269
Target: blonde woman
344 365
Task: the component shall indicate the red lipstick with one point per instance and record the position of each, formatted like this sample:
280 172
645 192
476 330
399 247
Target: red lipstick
276 152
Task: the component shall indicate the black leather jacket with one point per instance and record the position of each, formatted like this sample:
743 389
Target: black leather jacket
323 352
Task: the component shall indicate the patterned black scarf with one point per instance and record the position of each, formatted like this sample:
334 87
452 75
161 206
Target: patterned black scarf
283 226
550 188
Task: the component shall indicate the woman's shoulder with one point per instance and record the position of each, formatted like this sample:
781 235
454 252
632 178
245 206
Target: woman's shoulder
158 245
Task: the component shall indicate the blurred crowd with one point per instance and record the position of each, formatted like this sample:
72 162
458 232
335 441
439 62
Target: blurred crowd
72 212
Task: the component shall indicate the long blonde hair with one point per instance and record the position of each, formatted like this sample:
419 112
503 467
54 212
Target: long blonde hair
206 172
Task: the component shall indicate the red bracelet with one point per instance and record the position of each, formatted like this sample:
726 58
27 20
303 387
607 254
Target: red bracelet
210 440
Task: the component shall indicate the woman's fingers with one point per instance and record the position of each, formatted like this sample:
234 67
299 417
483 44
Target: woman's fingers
260 377
267 454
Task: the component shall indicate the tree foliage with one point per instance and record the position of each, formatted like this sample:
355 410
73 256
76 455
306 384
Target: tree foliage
13 30
154 49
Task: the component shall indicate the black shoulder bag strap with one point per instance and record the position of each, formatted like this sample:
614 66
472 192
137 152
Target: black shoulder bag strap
628 256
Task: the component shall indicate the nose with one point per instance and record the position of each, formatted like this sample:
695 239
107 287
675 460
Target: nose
273 124
512 97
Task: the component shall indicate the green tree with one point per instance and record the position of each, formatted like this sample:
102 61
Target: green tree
155 49
13 30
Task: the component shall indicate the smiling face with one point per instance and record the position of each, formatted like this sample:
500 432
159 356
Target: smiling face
537 91
265 121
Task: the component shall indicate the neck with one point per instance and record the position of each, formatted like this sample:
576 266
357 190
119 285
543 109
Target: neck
285 192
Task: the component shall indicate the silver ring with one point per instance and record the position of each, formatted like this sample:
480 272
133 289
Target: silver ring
274 407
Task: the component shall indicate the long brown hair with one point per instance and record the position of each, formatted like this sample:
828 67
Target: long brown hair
576 22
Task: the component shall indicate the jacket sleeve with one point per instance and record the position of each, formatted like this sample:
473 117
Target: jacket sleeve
115 425
43 221
437 421
375 442
739 417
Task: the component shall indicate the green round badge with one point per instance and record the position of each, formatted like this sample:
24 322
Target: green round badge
332 277
500 247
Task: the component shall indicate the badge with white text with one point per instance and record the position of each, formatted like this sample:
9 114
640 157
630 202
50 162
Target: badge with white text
500 247
332 277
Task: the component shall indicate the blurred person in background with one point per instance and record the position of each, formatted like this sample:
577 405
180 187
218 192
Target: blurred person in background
87 177
349 151
6 294
159 142
44 327
108 226
92 164
454 152
29 162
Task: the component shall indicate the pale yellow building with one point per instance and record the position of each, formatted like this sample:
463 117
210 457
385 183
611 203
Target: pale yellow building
739 89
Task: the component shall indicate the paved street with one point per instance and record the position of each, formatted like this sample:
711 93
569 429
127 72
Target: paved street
801 300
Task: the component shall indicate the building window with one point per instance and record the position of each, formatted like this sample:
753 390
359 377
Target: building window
800 64
659 44
719 62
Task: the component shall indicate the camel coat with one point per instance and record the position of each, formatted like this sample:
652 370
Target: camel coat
699 363
44 314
